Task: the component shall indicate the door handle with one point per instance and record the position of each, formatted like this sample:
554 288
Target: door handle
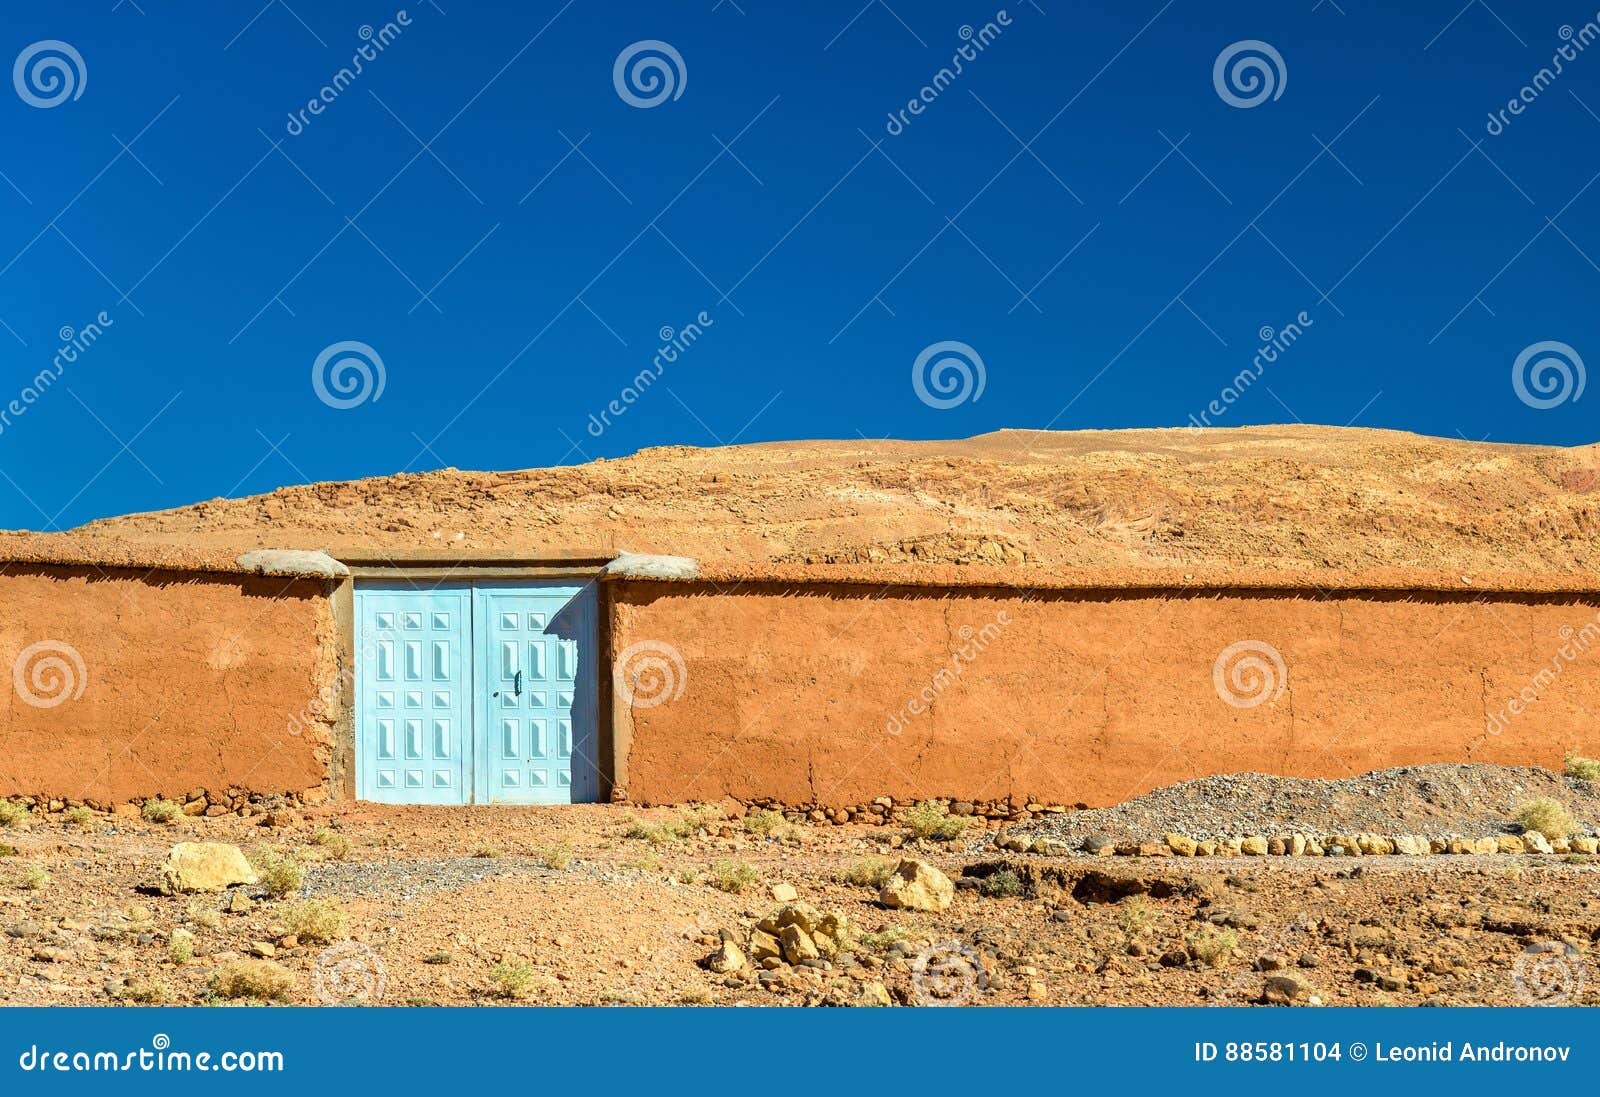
516 683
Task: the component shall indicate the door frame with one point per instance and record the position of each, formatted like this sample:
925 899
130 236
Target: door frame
428 567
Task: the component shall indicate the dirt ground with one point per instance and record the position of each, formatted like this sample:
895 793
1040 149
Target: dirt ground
466 906
1280 497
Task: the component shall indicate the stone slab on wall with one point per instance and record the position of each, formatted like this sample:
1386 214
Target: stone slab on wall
125 684
835 695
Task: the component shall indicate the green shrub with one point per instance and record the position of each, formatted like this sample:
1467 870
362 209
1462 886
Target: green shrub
1134 915
694 820
732 876
880 940
869 872
180 947
1005 884
763 823
79 816
14 815
7 849
1585 769
32 878
932 819
280 874
641 831
1549 817
1211 946
316 921
512 980
158 810
556 857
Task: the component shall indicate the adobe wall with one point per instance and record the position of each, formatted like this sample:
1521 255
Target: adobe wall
123 684
837 694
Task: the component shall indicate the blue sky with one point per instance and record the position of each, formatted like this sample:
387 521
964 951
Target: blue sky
1081 206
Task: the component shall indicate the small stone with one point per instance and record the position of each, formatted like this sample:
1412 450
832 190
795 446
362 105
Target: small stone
263 949
1098 843
1181 845
1037 991
1277 847
764 946
874 995
1253 846
917 885
798 945
237 903
137 912
1508 843
1285 990
1411 845
1297 845
1585 845
728 958
1174 958
204 866
1206 848
784 893
1534 842
1272 961
195 807
1485 846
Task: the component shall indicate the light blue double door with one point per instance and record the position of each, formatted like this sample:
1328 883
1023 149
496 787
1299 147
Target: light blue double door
476 693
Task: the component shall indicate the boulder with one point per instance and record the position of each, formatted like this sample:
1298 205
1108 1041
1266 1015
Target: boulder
728 958
917 885
1534 842
204 866
1181 845
797 945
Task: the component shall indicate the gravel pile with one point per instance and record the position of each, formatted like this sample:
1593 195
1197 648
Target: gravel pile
1437 801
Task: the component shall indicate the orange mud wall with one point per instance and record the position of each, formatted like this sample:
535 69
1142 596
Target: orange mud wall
187 682
804 694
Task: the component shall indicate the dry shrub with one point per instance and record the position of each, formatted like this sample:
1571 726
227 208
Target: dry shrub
261 980
316 921
932 819
158 810
732 876
870 872
1549 817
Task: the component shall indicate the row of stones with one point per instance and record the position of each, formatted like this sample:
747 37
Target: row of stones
206 802
1304 845
886 809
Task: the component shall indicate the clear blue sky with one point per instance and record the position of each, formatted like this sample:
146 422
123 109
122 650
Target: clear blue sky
1035 210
